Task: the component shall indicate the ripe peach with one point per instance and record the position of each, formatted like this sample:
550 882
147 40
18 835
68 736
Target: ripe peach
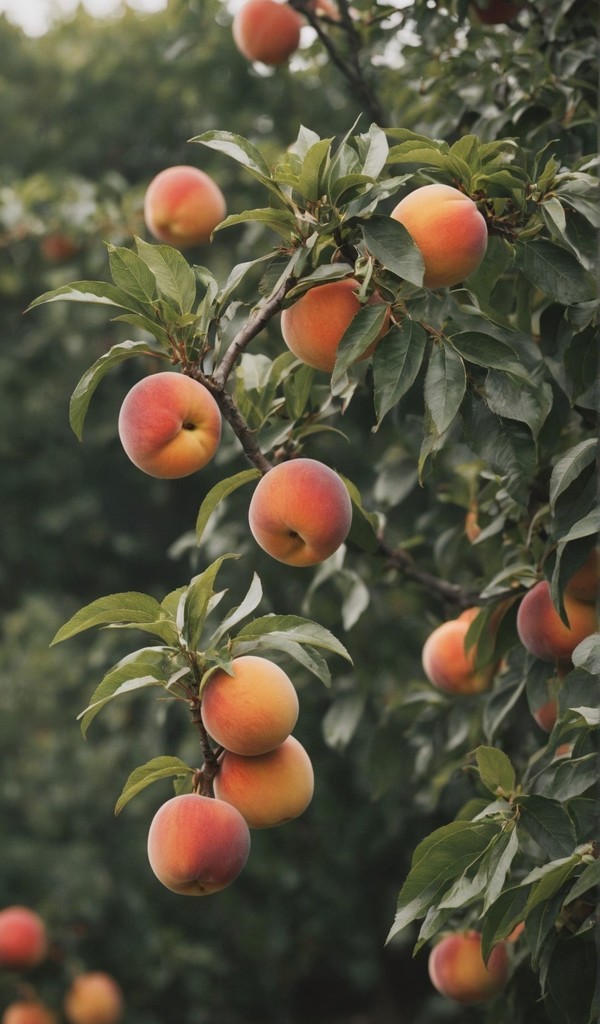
270 789
197 845
169 425
300 512
94 998
583 584
314 325
457 969
182 206
253 710
267 31
28 1011
542 631
494 12
23 939
448 229
448 665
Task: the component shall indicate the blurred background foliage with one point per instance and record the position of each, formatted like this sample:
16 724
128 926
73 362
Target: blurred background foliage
89 113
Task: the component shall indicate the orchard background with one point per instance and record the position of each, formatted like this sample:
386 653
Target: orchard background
471 450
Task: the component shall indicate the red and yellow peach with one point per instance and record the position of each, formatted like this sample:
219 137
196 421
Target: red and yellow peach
266 31
269 789
458 971
583 584
446 662
28 1011
94 998
23 938
182 206
541 629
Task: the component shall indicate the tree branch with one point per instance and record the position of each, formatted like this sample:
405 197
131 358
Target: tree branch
451 593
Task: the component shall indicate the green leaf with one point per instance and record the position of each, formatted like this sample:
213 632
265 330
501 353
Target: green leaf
554 271
365 525
309 657
130 273
341 720
218 493
154 770
390 243
570 467
174 276
82 395
375 157
528 403
296 628
589 879
495 770
396 363
244 153
587 655
247 606
100 292
197 601
310 182
445 386
548 880
490 352
548 823
362 331
281 221
140 670
506 445
128 607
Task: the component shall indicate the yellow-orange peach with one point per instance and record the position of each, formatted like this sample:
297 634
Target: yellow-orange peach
270 789
197 845
23 938
583 584
182 206
169 425
300 512
28 1011
94 998
266 31
458 971
449 230
541 629
314 325
448 665
253 710
494 12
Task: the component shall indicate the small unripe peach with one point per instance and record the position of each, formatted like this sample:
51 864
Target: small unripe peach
253 710
449 230
448 665
23 938
541 629
28 1011
182 206
583 584
266 31
314 325
458 971
270 789
197 845
300 512
94 998
169 425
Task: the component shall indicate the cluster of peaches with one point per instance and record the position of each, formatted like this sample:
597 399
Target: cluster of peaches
93 997
199 844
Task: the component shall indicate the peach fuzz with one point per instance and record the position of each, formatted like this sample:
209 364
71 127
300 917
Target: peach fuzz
583 584
197 845
270 789
94 998
300 512
314 325
449 230
182 206
23 939
28 1011
169 425
266 31
542 631
253 710
447 664
457 969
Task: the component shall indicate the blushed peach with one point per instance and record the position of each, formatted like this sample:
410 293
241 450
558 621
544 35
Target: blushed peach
546 715
583 584
314 325
23 938
197 845
28 1011
266 31
182 206
270 789
541 629
449 230
94 998
448 665
457 969
169 425
300 512
253 710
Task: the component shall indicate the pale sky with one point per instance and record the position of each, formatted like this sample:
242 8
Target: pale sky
34 16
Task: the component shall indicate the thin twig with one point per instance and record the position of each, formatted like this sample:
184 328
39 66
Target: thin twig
452 593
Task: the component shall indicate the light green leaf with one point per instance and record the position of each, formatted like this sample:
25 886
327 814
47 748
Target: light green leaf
130 273
127 607
302 631
154 770
82 395
197 601
247 606
143 669
281 221
174 276
244 153
589 879
217 494
99 292
570 466
495 770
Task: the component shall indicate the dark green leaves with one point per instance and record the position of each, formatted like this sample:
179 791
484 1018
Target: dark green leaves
390 243
396 363
554 271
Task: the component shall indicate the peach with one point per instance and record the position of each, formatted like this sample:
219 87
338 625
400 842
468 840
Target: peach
253 710
449 230
182 206
583 584
269 789
169 425
314 325
23 939
546 715
197 845
448 665
300 512
494 12
542 631
457 969
94 998
28 1011
58 247
266 31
